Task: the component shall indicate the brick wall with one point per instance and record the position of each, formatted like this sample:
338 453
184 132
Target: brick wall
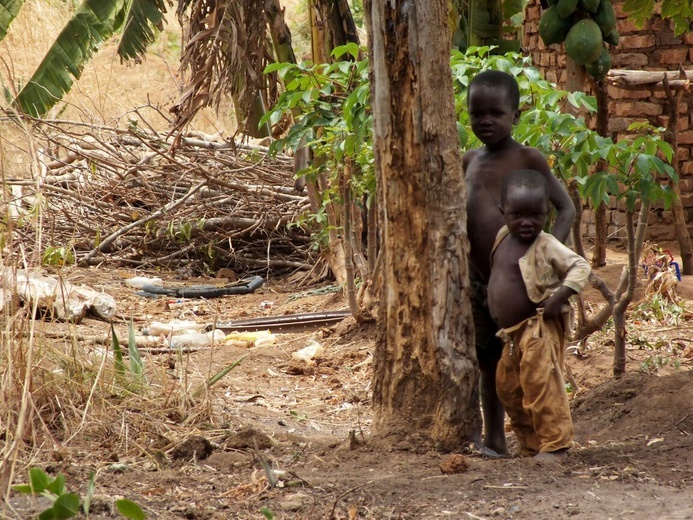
654 47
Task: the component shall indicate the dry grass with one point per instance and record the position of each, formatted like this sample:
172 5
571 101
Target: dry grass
61 398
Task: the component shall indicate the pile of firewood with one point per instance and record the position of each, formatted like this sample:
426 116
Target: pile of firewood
144 198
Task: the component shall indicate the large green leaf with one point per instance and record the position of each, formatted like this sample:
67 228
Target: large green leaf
93 22
142 17
9 9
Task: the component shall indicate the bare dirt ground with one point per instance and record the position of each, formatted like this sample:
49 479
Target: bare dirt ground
311 425
203 458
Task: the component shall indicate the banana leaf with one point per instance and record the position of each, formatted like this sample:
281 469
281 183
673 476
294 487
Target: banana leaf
93 23
143 17
9 9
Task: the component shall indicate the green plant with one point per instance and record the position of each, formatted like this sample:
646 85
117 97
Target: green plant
58 256
67 505
135 370
659 307
64 504
331 107
267 513
656 362
216 377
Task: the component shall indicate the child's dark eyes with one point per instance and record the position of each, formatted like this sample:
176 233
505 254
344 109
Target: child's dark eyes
533 215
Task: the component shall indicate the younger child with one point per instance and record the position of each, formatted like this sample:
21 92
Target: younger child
532 277
493 101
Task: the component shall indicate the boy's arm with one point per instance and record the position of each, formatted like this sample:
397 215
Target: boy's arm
575 273
565 209
553 305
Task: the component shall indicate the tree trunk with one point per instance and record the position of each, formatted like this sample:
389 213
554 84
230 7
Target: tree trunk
600 222
671 136
337 19
425 370
281 35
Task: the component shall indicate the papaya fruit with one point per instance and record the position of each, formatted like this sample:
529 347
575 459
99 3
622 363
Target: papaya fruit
605 17
598 68
566 7
612 37
584 41
590 6
552 28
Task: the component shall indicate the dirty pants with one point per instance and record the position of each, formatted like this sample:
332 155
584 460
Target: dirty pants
529 381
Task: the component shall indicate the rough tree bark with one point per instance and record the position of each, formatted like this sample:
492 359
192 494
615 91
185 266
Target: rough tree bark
425 373
600 221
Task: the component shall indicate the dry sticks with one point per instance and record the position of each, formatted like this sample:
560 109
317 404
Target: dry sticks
144 199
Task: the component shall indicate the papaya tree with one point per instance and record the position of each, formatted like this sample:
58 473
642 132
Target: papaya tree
588 29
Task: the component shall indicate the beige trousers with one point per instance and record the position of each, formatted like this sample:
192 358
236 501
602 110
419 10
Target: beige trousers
529 381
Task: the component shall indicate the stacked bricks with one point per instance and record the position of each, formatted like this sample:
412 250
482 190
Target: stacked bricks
653 47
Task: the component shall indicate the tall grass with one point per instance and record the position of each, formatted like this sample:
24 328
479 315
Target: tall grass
63 398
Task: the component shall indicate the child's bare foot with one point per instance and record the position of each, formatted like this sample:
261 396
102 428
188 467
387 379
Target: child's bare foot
552 456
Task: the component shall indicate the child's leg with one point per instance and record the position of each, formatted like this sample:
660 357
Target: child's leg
488 351
510 392
544 395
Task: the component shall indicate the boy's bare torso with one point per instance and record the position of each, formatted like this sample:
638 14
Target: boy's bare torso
507 295
484 172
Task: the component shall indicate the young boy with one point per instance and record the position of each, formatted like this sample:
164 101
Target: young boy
493 101
532 277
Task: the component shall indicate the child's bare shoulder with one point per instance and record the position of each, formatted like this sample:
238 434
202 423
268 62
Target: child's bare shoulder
469 157
533 158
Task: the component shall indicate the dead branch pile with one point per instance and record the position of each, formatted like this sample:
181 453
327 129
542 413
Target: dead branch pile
143 198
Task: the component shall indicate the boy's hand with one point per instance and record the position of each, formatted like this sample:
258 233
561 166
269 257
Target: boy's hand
553 305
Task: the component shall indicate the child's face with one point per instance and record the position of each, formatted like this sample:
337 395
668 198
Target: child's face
490 113
524 211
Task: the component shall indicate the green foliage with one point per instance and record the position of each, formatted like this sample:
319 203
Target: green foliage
58 256
634 168
136 363
135 371
680 11
142 18
9 9
217 377
118 363
655 362
130 509
66 505
267 513
330 103
660 308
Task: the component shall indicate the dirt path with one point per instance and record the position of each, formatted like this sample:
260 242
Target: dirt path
310 424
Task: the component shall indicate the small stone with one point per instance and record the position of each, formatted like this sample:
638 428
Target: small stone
247 439
193 447
455 463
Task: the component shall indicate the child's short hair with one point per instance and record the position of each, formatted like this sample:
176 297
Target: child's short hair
531 179
498 79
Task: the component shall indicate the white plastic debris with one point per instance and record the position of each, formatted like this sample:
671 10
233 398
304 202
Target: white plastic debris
190 340
260 338
157 328
140 281
310 352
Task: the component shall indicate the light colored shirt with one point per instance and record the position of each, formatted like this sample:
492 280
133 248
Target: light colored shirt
546 266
